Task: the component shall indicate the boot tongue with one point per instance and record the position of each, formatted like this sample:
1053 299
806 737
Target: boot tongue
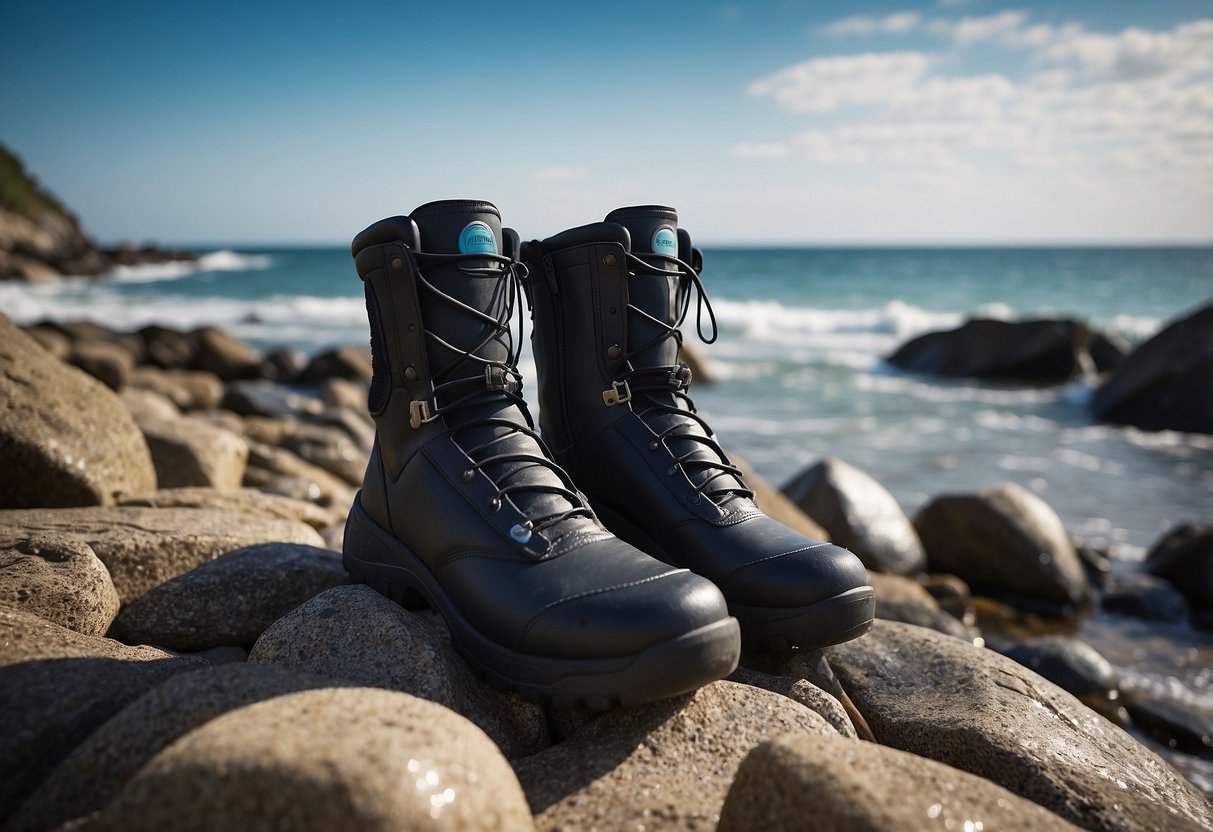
473 227
654 230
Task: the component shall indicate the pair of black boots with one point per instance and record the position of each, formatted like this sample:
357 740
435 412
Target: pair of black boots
612 564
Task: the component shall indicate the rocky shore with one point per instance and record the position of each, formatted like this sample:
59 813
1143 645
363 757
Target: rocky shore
181 648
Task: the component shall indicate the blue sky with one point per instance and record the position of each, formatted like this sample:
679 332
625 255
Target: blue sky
761 122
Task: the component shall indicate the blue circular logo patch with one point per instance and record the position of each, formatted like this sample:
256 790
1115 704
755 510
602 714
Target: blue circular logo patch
665 241
477 238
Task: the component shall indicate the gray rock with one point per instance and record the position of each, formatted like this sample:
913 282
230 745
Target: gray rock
1108 351
166 348
1185 558
352 363
1045 351
281 471
864 787
972 709
802 691
242 500
860 514
230 600
144 547
953 595
1183 726
57 687
774 504
1073 666
347 759
1167 382
264 398
57 577
98 768
188 389
1004 540
68 435
666 764
904 599
190 452
218 352
354 633
105 361
148 405
327 447
283 364
1145 596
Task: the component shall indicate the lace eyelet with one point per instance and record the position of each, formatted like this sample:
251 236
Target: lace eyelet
672 471
494 503
468 475
654 445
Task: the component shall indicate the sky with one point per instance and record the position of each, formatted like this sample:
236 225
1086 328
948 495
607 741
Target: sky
961 121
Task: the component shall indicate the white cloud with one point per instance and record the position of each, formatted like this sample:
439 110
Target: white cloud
761 150
894 24
822 85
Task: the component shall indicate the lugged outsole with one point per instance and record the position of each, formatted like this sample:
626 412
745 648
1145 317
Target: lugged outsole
669 668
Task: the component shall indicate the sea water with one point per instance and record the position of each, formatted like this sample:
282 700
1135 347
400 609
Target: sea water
802 338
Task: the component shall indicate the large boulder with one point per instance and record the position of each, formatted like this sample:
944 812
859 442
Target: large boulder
94 772
67 434
353 759
860 514
56 576
242 501
230 600
105 361
776 505
1004 541
864 787
1048 351
191 452
1185 558
354 633
58 686
1167 382
666 764
144 547
353 363
980 712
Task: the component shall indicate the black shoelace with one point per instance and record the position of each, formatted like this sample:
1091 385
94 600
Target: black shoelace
661 387
467 397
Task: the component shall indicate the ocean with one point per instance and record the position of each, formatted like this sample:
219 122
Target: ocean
803 334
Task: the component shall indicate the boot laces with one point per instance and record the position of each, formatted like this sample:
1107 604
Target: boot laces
661 388
461 400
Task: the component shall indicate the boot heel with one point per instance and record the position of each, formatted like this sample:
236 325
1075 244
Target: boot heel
363 555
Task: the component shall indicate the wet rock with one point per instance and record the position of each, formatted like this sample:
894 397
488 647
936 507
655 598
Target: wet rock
144 547
353 363
346 633
57 577
167 348
221 353
283 364
98 768
1108 351
863 787
344 759
774 504
1046 352
1073 666
264 398
68 435
190 452
1185 558
148 405
57 686
1095 563
1004 540
802 691
188 389
242 500
980 712
283 472
1167 382
860 514
666 764
1186 728
105 361
230 600
1148 597
903 599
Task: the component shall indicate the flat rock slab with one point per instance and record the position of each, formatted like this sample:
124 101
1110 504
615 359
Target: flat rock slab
973 709
144 547
230 600
860 514
244 501
354 633
667 765
98 768
57 577
864 787
73 441
352 759
58 686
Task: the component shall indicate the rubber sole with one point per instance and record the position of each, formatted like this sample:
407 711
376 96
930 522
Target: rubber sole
680 665
832 620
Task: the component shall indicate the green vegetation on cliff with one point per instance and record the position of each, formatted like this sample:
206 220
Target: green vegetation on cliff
20 192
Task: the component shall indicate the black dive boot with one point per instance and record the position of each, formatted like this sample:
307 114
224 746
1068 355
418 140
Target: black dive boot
463 505
608 301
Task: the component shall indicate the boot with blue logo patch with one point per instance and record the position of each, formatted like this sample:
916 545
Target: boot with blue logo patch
609 300
463 508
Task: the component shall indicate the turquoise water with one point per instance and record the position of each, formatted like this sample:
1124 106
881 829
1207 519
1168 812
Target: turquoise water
803 332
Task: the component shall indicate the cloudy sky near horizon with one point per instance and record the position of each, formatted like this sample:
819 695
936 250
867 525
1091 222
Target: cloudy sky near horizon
794 122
